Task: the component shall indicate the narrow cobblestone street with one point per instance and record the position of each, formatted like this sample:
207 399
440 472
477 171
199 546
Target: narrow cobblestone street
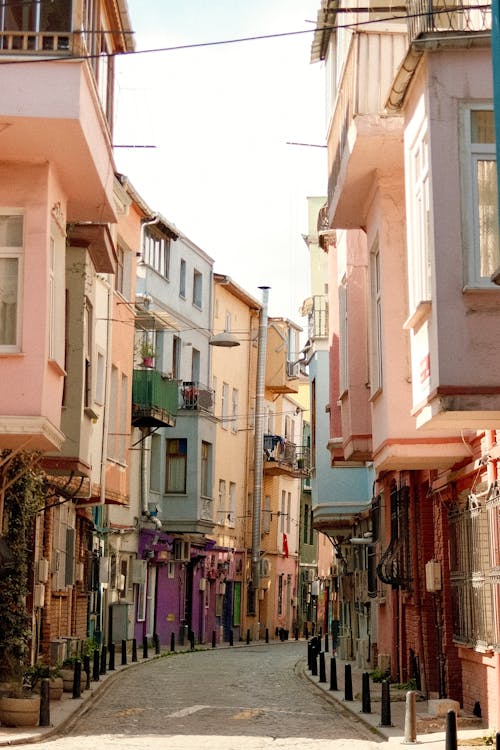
252 697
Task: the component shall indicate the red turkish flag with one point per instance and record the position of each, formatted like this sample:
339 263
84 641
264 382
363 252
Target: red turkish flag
285 545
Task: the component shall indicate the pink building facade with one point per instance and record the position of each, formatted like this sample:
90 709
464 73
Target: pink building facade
412 200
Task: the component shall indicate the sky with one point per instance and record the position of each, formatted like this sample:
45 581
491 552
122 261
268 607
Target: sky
221 118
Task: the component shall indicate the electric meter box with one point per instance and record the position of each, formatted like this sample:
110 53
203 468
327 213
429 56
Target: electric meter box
433 576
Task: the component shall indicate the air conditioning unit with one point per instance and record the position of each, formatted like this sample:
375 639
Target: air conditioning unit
138 571
104 569
43 570
39 595
265 567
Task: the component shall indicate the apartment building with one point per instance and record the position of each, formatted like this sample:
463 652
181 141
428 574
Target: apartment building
412 200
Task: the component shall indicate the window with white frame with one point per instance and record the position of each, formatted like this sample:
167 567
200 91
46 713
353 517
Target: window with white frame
376 372
182 279
231 516
197 288
420 224
343 338
225 405
234 410
206 469
56 293
221 510
480 195
156 250
176 466
11 257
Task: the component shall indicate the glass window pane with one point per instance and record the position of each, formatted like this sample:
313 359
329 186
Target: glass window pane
482 125
11 231
488 216
8 300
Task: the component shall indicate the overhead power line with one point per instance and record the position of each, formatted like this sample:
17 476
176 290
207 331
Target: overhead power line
238 40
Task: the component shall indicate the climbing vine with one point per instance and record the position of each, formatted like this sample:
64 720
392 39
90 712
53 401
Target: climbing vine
22 485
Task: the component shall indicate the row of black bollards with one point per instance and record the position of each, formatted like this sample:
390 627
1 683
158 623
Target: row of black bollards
314 652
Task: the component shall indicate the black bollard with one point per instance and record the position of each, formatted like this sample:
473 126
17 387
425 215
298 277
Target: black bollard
385 715
296 634
104 656
45 702
95 666
86 669
191 639
172 641
134 649
306 632
451 731
145 648
267 635
313 627
320 631
497 741
322 668
231 637
248 637
111 663
213 638
314 664
156 641
347 683
366 705
309 655
77 679
326 643
124 652
333 674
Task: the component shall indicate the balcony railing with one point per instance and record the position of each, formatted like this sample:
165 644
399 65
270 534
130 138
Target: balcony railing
40 42
317 318
194 396
429 17
154 399
281 453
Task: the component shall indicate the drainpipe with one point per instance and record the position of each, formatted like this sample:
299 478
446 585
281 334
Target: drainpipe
259 443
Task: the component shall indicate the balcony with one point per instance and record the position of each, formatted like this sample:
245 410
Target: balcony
361 136
427 18
154 399
194 396
316 309
283 457
32 42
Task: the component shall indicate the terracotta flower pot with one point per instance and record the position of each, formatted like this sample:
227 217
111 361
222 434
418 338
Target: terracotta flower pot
20 712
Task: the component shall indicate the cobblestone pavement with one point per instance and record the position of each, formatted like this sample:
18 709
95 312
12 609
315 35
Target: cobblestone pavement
249 698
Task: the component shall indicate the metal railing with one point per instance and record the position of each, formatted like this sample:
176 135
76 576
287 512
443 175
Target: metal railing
153 394
278 449
463 16
196 396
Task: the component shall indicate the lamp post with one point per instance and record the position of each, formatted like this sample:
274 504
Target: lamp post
259 444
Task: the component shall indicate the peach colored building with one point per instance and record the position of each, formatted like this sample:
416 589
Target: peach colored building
414 365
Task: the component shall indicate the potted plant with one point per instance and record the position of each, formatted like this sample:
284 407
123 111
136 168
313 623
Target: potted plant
24 494
33 677
147 352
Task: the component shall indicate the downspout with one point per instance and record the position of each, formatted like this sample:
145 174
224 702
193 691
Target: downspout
259 444
492 470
